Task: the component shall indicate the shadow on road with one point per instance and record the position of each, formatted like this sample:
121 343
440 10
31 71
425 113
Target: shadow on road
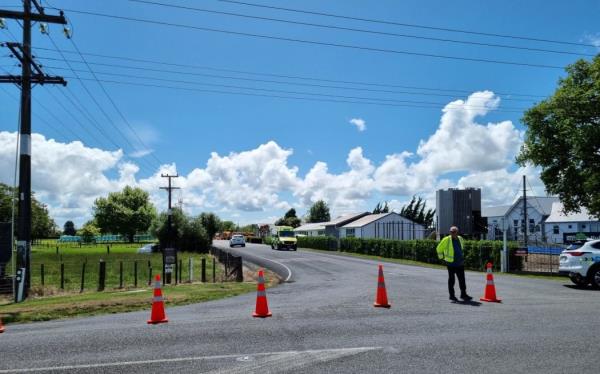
470 303
580 288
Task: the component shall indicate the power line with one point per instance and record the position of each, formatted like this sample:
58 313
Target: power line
51 126
99 106
315 42
462 31
373 32
261 80
519 110
287 76
265 95
114 104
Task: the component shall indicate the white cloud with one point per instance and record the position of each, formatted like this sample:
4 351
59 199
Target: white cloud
343 191
360 123
593 39
141 153
460 143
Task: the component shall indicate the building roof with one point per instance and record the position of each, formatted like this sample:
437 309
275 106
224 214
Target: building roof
372 218
311 227
558 216
345 219
539 203
542 204
495 211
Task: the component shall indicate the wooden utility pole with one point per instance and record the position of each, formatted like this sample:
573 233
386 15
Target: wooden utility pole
23 53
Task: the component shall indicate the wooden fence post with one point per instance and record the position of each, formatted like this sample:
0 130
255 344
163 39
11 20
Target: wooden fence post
82 277
62 276
135 275
203 270
120 274
101 275
42 273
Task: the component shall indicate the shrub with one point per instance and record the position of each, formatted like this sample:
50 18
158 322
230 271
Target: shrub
476 253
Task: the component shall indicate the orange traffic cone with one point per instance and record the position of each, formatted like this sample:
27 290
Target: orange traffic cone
158 304
262 308
1 326
490 289
381 301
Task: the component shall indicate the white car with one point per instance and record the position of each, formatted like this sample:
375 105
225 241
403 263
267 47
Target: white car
237 240
582 263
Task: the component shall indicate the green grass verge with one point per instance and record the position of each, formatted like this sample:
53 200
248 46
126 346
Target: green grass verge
94 303
558 278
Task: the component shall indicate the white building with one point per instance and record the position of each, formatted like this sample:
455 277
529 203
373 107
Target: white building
311 229
563 228
383 226
511 217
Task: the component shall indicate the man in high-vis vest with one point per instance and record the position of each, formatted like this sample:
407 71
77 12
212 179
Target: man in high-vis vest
450 250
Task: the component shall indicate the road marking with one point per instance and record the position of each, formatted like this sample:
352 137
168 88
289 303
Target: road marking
279 263
249 357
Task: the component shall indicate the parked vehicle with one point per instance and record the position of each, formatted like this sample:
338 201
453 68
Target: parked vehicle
237 239
285 237
149 248
582 263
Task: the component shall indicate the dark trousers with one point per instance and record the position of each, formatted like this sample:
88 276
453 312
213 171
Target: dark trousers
459 271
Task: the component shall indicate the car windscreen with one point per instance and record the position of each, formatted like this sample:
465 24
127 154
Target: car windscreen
286 234
574 246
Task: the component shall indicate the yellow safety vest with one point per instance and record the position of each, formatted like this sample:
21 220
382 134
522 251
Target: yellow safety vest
445 249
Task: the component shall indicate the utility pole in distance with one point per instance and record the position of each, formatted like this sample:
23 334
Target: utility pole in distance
168 258
23 53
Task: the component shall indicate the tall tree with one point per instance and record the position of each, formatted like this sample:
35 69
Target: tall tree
289 219
42 225
381 208
563 138
69 228
127 212
319 212
417 212
211 224
188 233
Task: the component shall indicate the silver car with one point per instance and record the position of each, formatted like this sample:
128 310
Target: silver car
237 240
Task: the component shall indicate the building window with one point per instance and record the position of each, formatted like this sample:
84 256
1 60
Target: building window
516 223
570 226
321 233
583 226
350 233
555 230
531 225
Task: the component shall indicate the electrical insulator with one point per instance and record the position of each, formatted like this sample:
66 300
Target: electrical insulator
44 28
2 23
67 32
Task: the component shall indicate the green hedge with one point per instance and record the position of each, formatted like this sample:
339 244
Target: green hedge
325 243
476 252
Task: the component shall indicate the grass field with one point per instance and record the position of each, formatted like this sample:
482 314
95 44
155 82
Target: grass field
48 301
73 258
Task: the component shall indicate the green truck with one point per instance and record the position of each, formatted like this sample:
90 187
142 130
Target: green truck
284 237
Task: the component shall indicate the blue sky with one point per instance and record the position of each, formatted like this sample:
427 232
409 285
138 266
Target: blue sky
185 127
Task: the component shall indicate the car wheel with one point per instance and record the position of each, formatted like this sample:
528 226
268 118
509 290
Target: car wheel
578 280
243 245
594 277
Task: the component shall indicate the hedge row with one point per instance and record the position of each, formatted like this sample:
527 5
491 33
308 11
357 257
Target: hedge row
476 252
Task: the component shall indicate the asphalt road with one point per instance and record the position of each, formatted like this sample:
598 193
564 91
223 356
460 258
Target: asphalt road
323 321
